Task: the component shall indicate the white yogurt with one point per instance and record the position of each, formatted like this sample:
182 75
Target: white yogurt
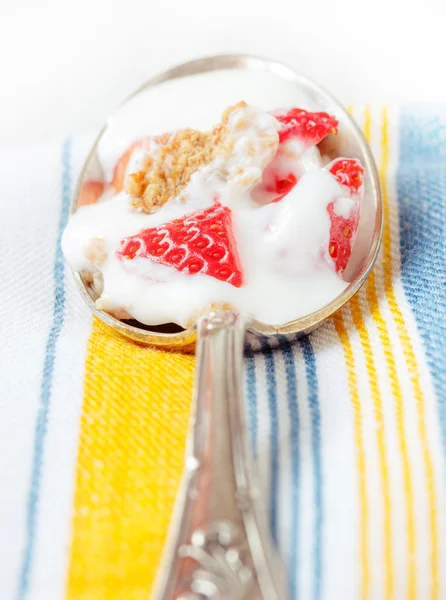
283 246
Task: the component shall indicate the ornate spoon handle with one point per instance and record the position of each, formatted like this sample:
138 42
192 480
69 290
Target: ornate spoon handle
218 545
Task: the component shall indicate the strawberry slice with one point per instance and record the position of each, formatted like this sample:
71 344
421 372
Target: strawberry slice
90 193
283 185
342 236
349 173
310 127
120 169
278 178
201 242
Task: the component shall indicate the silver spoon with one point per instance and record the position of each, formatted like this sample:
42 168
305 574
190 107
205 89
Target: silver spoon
218 545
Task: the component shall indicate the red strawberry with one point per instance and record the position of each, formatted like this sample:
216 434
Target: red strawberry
342 236
310 127
350 173
284 185
201 242
276 181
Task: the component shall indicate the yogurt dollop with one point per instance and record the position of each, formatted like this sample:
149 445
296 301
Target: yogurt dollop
282 239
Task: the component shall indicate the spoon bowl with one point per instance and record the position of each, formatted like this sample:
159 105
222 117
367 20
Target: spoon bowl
350 142
218 514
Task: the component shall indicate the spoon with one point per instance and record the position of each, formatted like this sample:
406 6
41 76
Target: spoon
218 544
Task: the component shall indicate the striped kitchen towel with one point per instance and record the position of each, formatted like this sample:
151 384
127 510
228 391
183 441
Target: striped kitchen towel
348 425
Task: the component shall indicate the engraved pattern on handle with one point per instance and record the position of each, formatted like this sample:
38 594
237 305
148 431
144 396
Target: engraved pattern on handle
218 544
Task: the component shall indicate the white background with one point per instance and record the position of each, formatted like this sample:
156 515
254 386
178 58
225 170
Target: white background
65 64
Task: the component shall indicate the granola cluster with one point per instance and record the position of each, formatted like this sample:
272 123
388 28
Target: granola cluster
180 155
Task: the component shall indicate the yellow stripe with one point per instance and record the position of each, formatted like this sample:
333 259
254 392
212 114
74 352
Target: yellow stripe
131 452
411 361
372 374
389 358
361 460
401 433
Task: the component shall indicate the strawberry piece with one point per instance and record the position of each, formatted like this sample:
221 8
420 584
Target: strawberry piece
276 181
310 127
90 193
201 242
120 169
342 236
282 185
350 173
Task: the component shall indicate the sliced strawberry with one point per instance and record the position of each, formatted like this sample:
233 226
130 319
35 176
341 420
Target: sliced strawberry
90 193
342 236
120 169
202 242
282 185
350 173
310 127
278 178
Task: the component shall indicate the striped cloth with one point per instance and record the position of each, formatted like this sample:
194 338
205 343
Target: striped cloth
348 425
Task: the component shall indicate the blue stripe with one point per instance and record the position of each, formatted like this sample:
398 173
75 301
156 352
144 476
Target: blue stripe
315 417
421 183
251 395
271 387
293 410
46 384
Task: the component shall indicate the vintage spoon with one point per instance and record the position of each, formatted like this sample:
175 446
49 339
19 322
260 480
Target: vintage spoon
218 544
